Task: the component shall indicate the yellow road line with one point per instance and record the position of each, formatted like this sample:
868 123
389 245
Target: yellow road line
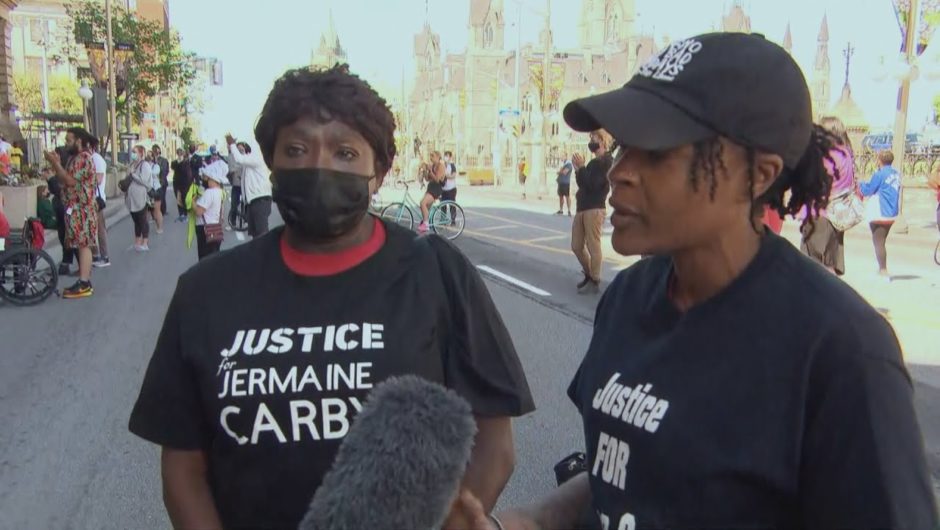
546 238
498 227
524 243
517 223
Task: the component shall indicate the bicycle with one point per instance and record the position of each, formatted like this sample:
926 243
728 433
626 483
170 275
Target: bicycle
28 274
446 218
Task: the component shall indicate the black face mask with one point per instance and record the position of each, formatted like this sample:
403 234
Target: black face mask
320 203
593 146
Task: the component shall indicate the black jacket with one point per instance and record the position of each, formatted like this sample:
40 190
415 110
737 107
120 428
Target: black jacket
593 186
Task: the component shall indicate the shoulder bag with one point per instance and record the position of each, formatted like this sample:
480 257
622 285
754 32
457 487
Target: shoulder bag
845 210
214 231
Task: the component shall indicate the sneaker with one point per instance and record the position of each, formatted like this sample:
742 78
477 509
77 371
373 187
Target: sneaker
102 262
422 228
159 230
569 213
559 212
64 269
145 248
591 287
81 289
584 282
228 228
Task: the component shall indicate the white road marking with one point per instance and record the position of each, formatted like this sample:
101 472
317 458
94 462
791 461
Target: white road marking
515 281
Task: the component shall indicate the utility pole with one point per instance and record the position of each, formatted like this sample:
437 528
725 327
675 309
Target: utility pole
899 144
517 104
112 86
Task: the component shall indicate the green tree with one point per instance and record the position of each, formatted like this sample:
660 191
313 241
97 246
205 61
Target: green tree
936 109
188 138
158 61
27 93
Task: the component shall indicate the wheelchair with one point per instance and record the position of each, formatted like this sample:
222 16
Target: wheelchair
28 274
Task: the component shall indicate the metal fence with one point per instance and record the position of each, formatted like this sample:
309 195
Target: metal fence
914 167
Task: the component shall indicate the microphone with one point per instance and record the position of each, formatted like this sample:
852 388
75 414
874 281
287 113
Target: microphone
402 462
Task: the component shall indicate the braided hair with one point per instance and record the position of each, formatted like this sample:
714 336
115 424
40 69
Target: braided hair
328 94
808 184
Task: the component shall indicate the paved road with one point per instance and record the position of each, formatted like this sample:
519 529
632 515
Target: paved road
70 370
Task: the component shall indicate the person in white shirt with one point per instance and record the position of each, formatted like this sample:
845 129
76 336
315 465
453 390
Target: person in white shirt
100 259
209 207
256 185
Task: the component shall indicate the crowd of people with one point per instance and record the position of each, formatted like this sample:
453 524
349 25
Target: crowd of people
74 199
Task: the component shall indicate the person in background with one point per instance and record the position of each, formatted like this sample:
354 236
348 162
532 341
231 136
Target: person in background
449 190
44 209
523 174
156 201
593 189
435 189
934 182
564 187
56 192
256 185
163 177
16 156
182 178
101 258
235 174
81 210
195 162
4 222
141 173
208 209
883 206
821 240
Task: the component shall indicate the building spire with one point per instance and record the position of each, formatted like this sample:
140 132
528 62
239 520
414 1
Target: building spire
824 29
848 52
788 40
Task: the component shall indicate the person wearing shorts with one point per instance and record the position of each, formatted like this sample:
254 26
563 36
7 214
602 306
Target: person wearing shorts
435 189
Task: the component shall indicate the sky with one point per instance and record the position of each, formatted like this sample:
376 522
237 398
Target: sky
259 43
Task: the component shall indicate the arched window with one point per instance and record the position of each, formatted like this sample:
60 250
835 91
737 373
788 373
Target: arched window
488 35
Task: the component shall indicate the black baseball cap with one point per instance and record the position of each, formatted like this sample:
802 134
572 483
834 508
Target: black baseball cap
736 85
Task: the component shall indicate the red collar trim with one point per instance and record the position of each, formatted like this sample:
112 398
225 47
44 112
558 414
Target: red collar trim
309 264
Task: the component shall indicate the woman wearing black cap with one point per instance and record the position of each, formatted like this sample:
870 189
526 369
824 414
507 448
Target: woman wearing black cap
269 350
730 382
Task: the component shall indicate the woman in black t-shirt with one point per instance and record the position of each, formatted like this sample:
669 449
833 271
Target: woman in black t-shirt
269 349
730 381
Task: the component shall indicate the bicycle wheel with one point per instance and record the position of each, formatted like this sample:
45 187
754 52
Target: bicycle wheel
27 276
447 220
399 214
936 254
240 218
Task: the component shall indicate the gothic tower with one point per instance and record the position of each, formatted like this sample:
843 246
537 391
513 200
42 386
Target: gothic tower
487 25
821 72
329 52
788 40
606 23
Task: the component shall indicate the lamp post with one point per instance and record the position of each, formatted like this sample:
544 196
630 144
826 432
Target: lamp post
85 93
112 86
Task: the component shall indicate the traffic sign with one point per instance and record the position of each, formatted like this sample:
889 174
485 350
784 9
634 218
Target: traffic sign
130 136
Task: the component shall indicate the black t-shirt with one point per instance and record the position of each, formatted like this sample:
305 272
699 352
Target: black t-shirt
593 186
781 402
264 369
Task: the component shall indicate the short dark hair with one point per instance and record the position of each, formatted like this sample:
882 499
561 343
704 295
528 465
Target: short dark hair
80 134
157 147
886 157
192 148
328 94
448 153
245 145
93 142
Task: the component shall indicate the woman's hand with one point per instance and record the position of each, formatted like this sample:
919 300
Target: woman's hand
467 514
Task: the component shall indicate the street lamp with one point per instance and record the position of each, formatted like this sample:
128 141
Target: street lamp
85 93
